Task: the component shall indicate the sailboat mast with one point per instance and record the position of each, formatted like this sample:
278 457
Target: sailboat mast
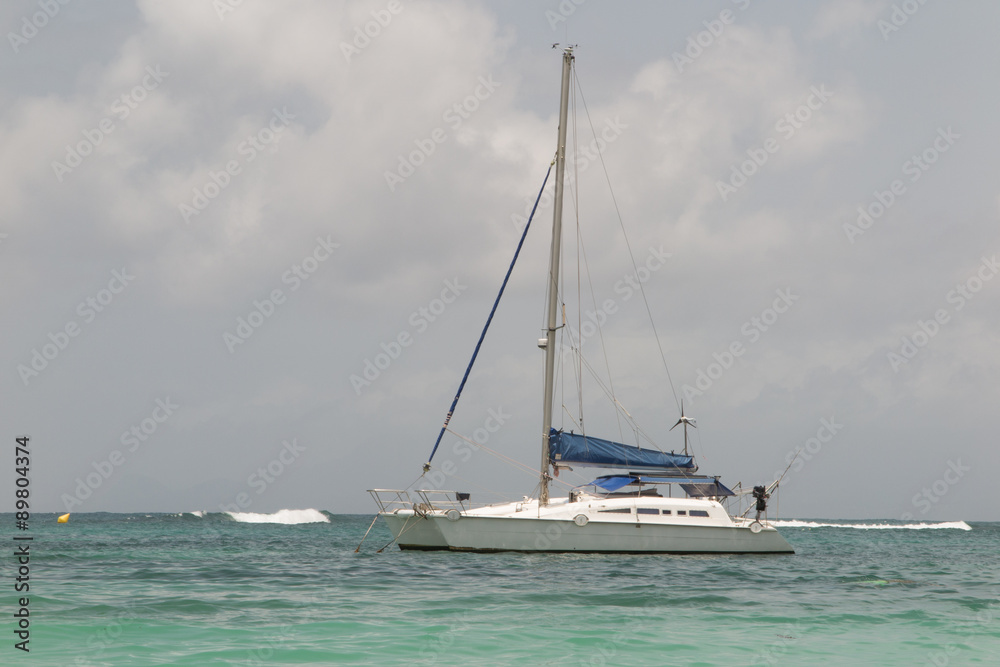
553 309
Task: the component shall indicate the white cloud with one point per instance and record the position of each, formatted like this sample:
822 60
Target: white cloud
846 18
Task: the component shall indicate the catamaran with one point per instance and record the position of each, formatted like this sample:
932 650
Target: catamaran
625 511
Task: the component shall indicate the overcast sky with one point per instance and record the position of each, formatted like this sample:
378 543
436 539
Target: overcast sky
217 215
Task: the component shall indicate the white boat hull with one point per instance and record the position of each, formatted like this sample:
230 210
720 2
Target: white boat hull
559 529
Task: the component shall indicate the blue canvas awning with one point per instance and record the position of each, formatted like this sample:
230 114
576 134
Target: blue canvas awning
695 487
613 482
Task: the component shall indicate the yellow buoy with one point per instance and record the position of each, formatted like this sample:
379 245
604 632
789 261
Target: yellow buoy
63 519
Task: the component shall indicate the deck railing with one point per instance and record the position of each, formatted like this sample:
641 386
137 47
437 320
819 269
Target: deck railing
390 500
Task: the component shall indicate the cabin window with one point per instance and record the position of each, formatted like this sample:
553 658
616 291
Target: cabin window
647 510
698 513
681 512
621 510
667 511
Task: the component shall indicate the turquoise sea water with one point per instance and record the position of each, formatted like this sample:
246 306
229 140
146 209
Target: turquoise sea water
168 589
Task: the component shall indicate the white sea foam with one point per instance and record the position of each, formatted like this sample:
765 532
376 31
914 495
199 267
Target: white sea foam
792 523
281 516
198 513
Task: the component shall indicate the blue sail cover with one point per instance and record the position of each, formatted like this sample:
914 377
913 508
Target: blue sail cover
595 452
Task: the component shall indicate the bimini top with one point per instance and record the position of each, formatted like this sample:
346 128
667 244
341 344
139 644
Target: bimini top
595 452
695 487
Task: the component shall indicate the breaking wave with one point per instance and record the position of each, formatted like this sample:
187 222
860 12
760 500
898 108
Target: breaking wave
281 516
956 525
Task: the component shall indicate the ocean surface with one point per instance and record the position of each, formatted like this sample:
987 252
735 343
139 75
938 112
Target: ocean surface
289 589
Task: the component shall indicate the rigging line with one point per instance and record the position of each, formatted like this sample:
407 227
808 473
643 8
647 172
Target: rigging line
532 472
577 389
482 489
571 471
566 332
582 480
501 496
577 367
600 333
401 531
631 421
489 319
619 406
410 485
635 267
700 448
366 534
778 481
514 462
562 382
572 418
